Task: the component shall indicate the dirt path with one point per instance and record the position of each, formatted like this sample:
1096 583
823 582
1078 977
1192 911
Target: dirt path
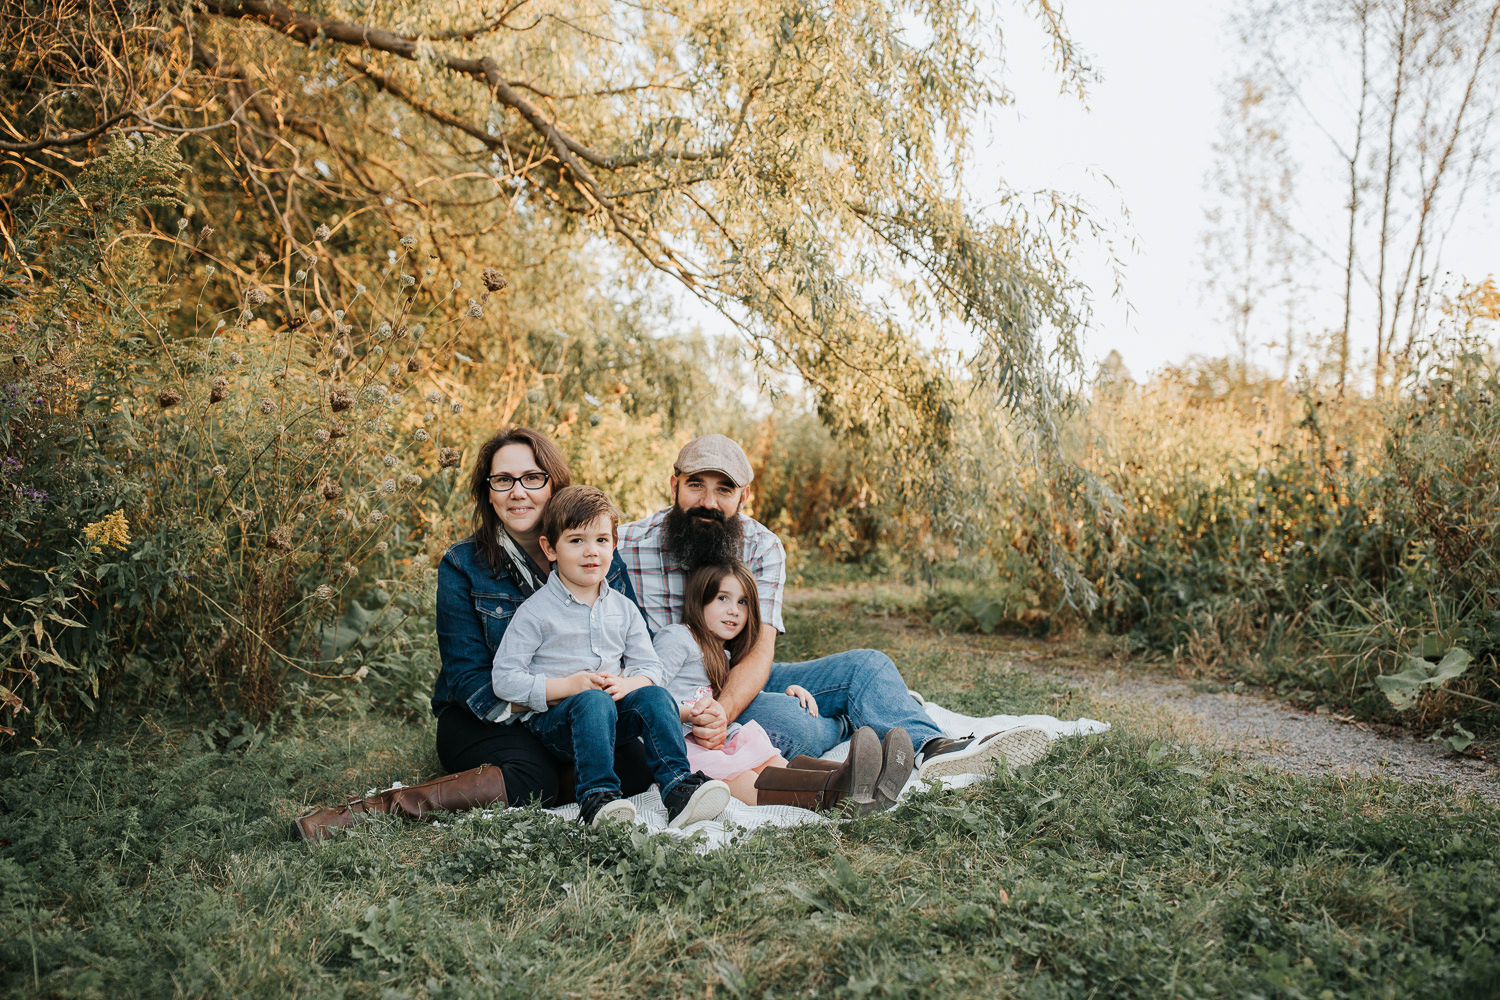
1263 730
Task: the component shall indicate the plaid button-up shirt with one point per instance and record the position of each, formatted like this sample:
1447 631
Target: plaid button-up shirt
660 584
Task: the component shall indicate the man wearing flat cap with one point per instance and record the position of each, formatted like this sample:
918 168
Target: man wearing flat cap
859 687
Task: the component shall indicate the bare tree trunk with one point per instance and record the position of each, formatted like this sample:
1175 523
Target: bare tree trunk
1385 198
1359 140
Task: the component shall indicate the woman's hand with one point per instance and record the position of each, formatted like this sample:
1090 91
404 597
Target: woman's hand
805 697
619 687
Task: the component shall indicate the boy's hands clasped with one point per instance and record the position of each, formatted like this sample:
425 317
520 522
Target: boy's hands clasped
618 687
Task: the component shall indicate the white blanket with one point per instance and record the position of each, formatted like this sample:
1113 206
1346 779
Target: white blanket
652 814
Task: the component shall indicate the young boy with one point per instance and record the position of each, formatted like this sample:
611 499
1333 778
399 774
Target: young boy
577 661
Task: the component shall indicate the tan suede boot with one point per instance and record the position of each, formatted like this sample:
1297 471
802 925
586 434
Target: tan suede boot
825 785
480 786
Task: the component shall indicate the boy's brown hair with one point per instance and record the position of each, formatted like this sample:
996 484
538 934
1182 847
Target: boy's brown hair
577 507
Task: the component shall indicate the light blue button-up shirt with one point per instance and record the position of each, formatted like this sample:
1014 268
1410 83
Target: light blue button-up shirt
554 634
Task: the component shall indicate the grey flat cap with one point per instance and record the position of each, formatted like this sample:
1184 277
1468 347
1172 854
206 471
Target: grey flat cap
715 453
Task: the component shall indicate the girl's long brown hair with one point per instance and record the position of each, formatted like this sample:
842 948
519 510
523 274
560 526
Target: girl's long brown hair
486 522
703 587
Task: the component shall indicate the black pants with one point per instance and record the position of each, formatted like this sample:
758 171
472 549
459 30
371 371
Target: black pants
531 773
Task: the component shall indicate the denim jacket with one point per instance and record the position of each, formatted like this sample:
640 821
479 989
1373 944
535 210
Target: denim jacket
473 609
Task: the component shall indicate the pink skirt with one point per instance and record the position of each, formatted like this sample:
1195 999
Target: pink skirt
746 750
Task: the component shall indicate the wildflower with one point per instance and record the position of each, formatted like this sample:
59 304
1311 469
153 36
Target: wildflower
449 457
383 330
382 546
236 358
375 517
246 316
493 280
247 516
205 232
219 471
210 271
340 351
476 311
322 233
262 259
316 315
338 315
411 480
337 430
321 435
181 224
457 407
331 490
168 398
324 592
255 296
220 389
301 274
310 257
390 461
422 435
388 487
342 514
350 569
434 397
268 406
340 400
280 539
408 241
113 532
359 288
377 350
413 364
394 372
407 280
361 673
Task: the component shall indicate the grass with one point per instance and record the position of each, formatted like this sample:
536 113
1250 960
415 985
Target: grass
153 861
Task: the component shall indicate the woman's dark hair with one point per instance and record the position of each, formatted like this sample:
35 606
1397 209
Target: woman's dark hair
703 587
486 522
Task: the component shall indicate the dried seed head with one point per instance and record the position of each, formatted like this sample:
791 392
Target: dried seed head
168 398
388 487
205 232
220 389
393 372
331 490
340 351
340 400
321 436
181 224
381 546
449 457
255 296
316 316
422 435
411 480
390 461
493 280
262 260
268 406
457 407
247 516
413 364
324 592
236 358
322 233
375 517
219 471
350 569
337 430
280 539
476 311
408 241
434 397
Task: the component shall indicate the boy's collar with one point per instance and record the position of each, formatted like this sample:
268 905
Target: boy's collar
555 578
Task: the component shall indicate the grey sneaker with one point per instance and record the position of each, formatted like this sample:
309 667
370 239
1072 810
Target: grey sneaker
978 755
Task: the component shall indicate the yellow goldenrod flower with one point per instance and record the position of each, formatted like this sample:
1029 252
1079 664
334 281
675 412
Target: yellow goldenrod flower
111 533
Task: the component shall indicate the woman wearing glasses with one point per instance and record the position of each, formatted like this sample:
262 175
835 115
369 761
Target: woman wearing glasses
481 582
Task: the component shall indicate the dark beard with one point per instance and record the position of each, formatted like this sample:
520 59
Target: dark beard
692 542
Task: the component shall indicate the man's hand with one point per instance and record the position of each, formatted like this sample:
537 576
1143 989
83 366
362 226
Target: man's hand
804 696
619 687
709 722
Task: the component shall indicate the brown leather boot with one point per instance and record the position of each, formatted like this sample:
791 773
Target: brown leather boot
824 785
480 786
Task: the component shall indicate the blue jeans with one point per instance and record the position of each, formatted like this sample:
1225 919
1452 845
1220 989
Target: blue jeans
860 687
587 727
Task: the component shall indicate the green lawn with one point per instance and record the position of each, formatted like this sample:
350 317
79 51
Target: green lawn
154 862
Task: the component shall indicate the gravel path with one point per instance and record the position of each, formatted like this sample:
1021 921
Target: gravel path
1307 743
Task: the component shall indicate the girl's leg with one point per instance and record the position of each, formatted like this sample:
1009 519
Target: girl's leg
743 785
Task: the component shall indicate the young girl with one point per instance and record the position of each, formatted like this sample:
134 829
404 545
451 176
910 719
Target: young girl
721 623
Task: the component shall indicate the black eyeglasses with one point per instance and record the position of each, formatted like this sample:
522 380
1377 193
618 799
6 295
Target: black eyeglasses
530 481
